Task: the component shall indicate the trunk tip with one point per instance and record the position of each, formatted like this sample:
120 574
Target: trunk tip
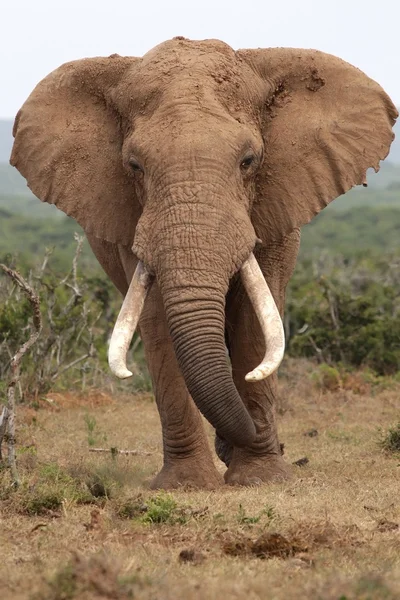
244 436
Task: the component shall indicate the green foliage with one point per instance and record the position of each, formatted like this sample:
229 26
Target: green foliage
162 509
155 510
107 479
326 377
390 440
53 486
133 508
64 584
268 514
355 232
78 313
347 312
42 502
94 435
25 236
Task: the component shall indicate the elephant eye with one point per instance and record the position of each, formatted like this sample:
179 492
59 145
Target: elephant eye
247 162
135 165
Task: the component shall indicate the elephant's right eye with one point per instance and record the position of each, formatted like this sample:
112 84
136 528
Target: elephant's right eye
135 165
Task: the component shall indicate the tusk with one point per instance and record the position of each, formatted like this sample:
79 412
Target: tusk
268 316
127 321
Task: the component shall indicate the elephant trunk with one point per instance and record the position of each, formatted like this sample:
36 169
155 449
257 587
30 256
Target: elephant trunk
196 322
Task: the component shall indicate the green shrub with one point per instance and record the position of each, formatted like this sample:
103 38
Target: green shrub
78 316
348 315
156 510
390 441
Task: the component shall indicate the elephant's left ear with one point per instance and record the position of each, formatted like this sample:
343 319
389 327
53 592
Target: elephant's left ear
324 125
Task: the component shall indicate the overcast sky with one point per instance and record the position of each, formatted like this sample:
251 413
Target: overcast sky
36 36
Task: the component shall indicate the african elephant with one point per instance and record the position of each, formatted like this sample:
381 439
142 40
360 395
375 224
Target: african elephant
191 171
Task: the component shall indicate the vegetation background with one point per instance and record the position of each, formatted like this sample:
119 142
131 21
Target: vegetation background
83 525
343 304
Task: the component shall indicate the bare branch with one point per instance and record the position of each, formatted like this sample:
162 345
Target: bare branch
3 427
47 254
320 354
74 286
117 451
79 240
135 345
15 365
72 364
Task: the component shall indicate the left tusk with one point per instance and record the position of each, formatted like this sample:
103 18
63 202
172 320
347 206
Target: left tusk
268 315
127 321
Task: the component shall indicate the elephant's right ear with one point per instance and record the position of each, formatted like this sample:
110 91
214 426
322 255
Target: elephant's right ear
68 147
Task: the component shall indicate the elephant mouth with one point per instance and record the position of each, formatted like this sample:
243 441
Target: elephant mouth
260 297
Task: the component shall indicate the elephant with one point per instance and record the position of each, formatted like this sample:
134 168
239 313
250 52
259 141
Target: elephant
192 170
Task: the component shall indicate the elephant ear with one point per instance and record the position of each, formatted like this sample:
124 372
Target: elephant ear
68 147
326 123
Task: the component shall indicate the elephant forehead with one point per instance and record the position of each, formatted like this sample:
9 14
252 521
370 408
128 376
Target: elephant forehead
180 50
184 69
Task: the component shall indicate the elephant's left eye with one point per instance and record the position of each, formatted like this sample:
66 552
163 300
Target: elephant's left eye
247 162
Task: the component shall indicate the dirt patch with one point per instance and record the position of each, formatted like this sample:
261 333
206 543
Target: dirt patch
384 525
267 545
65 400
300 540
192 556
326 534
316 82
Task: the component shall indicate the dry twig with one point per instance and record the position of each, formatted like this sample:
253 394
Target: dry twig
114 451
8 415
3 427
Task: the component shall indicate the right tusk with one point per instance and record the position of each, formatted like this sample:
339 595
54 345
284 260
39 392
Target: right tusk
268 316
127 321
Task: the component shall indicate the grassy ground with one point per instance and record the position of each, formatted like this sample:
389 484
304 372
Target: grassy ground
84 525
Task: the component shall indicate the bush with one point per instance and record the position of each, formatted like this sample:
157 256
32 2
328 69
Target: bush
350 314
78 315
390 441
338 310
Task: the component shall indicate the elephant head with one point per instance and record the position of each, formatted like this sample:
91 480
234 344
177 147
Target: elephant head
189 155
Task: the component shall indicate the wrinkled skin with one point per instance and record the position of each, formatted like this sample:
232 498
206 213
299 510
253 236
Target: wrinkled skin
188 156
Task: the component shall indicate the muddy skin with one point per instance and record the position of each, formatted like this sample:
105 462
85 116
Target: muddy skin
194 156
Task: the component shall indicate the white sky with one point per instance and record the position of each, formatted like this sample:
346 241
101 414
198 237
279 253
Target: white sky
36 36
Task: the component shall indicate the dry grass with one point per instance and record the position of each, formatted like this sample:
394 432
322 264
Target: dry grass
84 526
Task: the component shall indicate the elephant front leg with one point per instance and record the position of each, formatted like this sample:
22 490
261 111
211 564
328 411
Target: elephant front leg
187 456
262 461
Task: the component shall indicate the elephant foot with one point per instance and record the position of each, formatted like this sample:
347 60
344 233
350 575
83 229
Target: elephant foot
187 473
250 471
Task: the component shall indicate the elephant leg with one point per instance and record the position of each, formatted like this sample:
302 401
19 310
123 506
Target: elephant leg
262 461
187 455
